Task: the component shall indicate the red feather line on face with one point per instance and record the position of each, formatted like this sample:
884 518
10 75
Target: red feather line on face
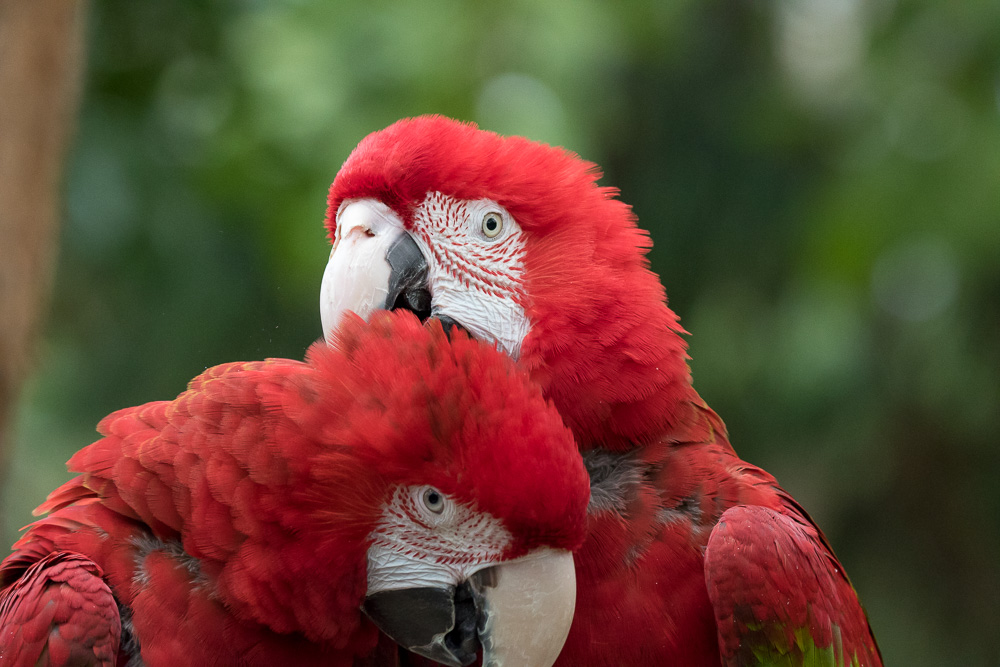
436 222
588 328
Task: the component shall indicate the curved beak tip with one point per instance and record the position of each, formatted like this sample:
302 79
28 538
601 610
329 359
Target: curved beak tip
528 607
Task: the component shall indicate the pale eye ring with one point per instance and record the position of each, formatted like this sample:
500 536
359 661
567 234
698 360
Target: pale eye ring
433 500
492 224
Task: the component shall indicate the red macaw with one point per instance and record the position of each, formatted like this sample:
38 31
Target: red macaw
249 521
693 557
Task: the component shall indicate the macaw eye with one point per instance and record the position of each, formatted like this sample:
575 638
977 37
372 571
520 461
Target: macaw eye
433 500
492 224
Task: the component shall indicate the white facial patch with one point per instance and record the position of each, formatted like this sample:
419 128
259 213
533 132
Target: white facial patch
475 255
413 546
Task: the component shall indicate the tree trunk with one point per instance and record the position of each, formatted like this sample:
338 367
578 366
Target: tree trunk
41 57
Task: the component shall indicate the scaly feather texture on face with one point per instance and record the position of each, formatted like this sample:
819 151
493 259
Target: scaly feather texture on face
232 523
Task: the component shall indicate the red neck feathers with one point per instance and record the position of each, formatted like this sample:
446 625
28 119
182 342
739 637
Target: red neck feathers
603 344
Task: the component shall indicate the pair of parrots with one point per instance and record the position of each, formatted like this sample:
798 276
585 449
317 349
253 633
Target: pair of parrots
512 467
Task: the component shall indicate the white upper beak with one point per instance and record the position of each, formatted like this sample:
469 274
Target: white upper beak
529 610
357 275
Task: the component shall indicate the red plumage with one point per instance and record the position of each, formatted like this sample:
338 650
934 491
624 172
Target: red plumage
231 524
60 611
697 557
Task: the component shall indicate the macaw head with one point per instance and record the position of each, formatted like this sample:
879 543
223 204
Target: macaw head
461 482
515 242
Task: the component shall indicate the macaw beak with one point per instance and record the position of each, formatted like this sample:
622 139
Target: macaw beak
375 264
519 612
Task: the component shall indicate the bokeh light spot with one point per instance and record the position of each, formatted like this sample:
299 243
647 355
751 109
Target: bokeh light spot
916 279
521 104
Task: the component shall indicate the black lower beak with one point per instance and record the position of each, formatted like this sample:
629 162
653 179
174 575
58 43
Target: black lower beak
437 623
407 278
408 283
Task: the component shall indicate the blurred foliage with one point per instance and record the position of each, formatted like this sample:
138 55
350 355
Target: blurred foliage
821 179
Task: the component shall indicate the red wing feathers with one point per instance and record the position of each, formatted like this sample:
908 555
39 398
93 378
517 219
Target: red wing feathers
779 594
59 613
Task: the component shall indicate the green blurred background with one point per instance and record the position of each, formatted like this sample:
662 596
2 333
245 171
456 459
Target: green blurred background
821 179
